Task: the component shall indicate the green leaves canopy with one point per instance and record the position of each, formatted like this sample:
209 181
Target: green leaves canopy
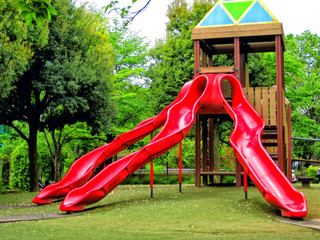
66 81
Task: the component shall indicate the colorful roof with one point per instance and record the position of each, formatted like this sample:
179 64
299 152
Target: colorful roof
235 12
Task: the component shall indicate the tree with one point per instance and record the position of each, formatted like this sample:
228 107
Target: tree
68 80
16 41
126 12
131 85
174 59
302 78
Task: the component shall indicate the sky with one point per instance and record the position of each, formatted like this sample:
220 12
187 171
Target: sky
296 16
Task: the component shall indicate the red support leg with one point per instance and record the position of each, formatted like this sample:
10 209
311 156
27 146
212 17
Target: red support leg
151 174
180 166
245 184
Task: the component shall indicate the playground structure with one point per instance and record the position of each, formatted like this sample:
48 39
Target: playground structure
212 94
240 28
203 95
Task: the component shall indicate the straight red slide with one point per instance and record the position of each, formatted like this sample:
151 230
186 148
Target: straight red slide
203 95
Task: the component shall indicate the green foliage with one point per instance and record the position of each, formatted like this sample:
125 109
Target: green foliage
174 59
16 41
312 172
37 10
262 69
188 153
19 177
229 179
44 161
302 68
131 90
158 179
67 80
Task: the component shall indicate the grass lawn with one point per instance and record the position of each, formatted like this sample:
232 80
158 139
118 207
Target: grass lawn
196 213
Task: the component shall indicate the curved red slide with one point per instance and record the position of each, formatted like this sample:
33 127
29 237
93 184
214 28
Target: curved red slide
204 95
246 142
82 169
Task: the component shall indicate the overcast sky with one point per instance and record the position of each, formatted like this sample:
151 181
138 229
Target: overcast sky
296 16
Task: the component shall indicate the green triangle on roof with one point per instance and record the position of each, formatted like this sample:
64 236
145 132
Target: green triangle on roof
236 9
237 12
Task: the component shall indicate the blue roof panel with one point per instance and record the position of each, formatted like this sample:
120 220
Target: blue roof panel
217 17
257 14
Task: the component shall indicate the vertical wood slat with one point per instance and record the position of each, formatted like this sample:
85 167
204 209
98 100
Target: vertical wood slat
204 59
229 90
258 100
273 112
250 96
223 87
265 105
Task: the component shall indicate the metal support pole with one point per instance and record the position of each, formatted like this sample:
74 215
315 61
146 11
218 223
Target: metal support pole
180 166
151 174
245 184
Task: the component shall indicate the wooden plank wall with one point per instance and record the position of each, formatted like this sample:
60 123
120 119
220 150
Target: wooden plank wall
263 99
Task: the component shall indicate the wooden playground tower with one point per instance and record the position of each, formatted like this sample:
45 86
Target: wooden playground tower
239 28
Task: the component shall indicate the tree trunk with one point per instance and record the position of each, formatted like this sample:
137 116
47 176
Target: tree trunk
57 170
56 161
33 157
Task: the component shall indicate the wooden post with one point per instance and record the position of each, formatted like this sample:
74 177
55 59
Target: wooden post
204 58
216 134
197 152
196 58
289 174
280 101
210 61
204 150
237 58
211 150
238 174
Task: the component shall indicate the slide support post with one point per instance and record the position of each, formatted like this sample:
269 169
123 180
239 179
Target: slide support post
180 165
245 184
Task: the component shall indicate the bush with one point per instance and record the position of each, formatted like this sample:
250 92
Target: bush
312 172
158 179
229 179
19 168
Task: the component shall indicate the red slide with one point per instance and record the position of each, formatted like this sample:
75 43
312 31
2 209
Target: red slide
246 142
82 169
203 95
